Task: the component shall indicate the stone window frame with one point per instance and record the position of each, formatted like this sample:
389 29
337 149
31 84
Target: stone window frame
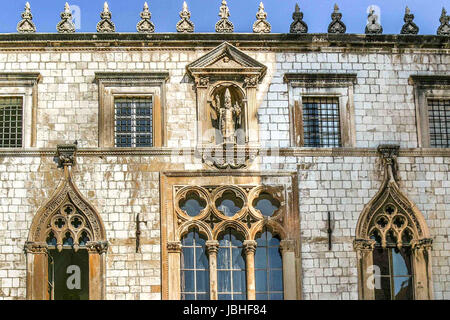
427 87
317 85
175 224
23 85
390 195
112 85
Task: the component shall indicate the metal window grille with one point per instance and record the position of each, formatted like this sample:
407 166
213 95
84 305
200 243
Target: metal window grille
321 122
439 120
11 117
134 122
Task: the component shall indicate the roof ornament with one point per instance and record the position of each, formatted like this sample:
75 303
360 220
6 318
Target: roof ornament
409 27
185 24
336 25
298 26
224 25
145 25
26 25
261 25
66 24
373 26
444 28
106 25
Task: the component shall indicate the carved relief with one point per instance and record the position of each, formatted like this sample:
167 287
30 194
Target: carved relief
444 27
212 215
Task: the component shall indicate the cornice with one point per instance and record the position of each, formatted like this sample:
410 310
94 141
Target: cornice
262 152
277 41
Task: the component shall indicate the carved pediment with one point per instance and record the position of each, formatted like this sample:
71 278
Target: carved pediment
225 60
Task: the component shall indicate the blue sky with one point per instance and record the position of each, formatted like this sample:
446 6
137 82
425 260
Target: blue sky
165 14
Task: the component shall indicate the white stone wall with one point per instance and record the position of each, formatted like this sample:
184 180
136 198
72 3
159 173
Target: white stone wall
120 187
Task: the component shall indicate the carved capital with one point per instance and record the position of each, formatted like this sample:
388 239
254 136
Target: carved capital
251 81
174 246
363 245
287 246
422 244
99 247
66 154
212 246
250 246
35 247
202 82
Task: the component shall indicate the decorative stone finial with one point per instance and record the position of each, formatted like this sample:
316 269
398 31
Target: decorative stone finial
261 25
444 28
26 25
298 26
336 25
224 25
373 26
66 24
106 25
409 27
145 25
185 24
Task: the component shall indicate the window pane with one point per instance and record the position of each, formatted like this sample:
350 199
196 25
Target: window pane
188 255
239 281
401 262
134 122
383 291
381 259
260 257
261 280
188 281
238 258
276 280
203 281
11 109
224 281
321 122
229 204
439 121
276 296
223 259
403 288
275 258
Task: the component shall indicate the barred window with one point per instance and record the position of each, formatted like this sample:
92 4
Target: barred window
134 122
321 122
11 116
439 120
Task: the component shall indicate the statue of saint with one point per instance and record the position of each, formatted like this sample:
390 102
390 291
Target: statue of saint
224 12
228 116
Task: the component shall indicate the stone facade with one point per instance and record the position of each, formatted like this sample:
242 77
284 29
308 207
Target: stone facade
122 184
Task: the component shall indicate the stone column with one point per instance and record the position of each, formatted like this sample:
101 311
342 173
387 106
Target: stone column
174 253
97 269
203 112
364 252
37 271
421 255
212 247
251 121
287 248
250 249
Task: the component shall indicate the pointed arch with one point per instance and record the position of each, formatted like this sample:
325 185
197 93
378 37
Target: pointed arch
388 223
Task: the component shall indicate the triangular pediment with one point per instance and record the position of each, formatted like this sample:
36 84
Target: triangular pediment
226 58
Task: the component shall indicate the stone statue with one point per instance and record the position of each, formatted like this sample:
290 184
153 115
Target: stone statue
228 116
373 26
224 25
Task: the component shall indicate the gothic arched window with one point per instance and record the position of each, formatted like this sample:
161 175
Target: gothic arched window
268 267
194 267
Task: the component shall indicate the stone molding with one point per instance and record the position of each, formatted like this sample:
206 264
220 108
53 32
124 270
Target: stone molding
66 24
26 25
298 26
409 27
145 25
185 24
